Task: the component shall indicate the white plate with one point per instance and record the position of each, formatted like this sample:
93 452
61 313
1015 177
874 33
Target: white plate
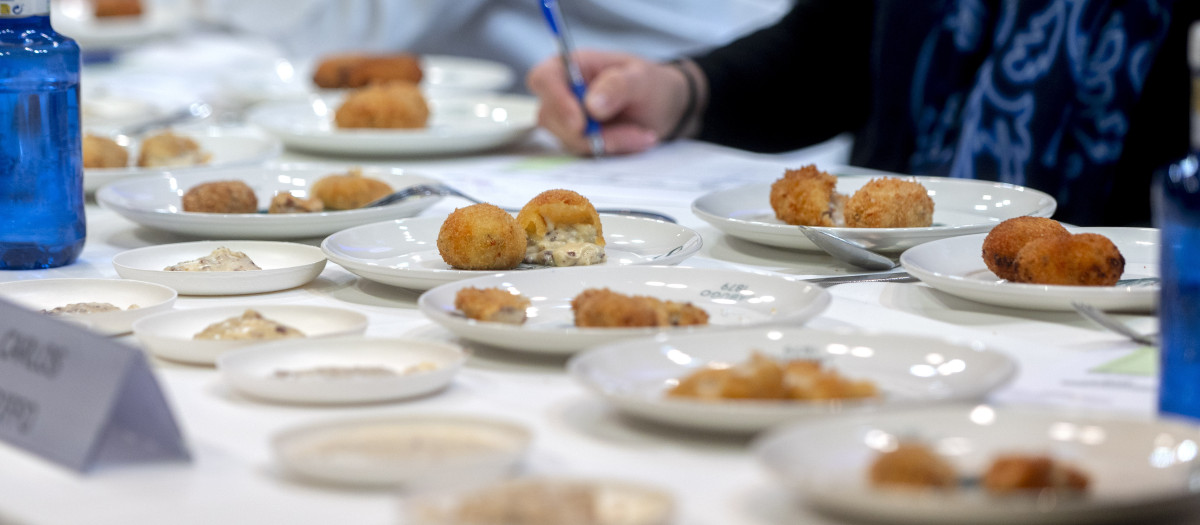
170 335
47 294
961 207
255 370
908 370
427 451
281 79
156 202
229 147
731 298
284 265
76 19
1138 469
956 266
457 124
404 252
612 502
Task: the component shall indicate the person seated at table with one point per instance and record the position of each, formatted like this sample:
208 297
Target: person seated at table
1082 100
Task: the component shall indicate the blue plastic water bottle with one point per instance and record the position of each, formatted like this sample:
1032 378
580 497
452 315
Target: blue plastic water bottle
41 167
1177 214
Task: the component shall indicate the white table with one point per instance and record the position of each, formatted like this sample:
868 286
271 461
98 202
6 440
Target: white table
714 478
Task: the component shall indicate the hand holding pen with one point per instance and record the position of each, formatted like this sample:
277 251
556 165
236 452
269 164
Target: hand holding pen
640 103
558 27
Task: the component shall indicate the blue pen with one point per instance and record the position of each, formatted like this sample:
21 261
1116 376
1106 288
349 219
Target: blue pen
574 75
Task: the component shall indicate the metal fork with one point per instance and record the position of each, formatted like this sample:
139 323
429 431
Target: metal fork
429 190
1099 317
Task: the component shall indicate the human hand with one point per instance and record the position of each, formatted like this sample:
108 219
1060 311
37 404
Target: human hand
637 102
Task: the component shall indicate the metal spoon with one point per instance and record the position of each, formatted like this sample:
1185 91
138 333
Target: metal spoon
1098 316
193 111
848 251
427 190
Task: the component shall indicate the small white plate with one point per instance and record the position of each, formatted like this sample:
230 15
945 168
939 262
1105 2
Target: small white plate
48 294
229 147
409 451
170 335
284 265
961 207
1138 469
907 370
285 80
156 202
76 19
457 124
404 252
418 367
956 266
612 502
731 298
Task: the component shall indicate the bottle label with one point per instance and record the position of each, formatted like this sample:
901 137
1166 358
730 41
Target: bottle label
23 8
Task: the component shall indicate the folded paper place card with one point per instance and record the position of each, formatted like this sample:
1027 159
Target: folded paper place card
78 398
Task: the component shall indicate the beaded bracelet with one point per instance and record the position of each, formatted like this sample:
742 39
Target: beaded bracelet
689 107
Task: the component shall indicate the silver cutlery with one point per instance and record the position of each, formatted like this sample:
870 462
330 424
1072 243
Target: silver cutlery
895 277
1098 316
848 251
193 111
429 190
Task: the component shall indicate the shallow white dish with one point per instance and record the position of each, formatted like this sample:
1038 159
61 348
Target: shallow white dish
404 252
417 367
457 124
1138 469
408 451
156 202
170 335
956 266
229 147
48 294
731 298
612 502
961 207
284 265
76 19
907 370
287 80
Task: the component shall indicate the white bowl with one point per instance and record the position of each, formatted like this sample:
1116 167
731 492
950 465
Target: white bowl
255 370
284 265
1138 469
907 370
47 294
170 335
408 451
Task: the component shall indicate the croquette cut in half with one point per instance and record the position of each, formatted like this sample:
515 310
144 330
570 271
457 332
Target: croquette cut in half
1001 245
481 237
563 229
807 197
889 203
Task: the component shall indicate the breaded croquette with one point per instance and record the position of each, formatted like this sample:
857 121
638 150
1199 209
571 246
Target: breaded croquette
491 304
1084 259
807 197
912 466
481 237
563 229
1001 245
1016 473
601 307
349 191
762 377
394 104
116 8
890 203
103 152
285 202
226 196
170 150
358 70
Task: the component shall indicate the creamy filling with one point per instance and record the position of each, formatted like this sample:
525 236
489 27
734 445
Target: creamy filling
570 245
251 325
220 260
85 308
